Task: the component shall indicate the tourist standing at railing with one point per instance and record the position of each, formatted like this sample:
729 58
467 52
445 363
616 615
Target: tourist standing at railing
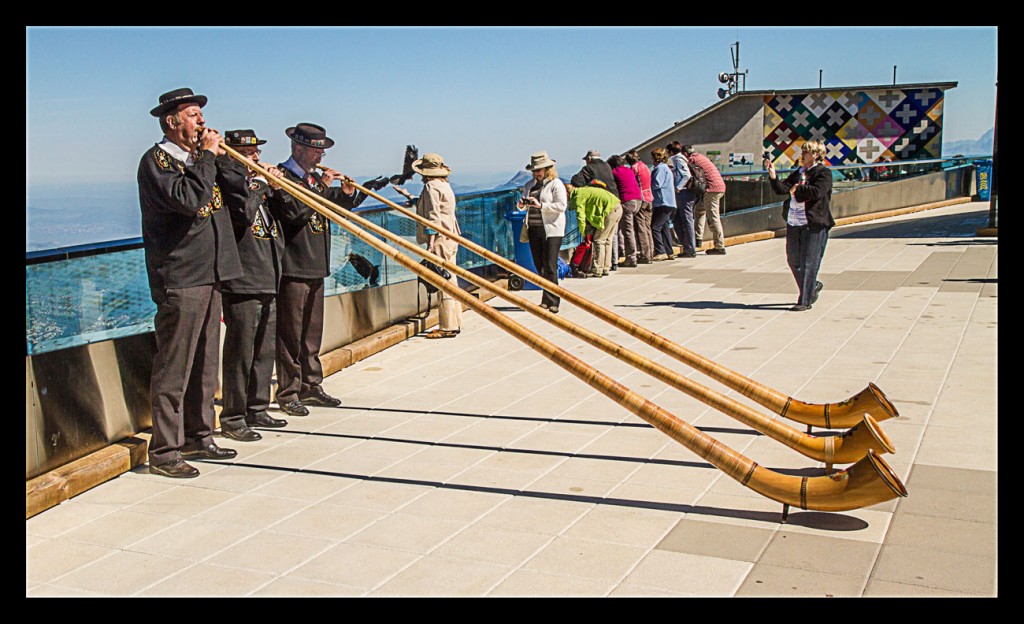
304 265
545 199
250 301
631 198
645 240
437 205
808 217
663 192
682 220
707 207
189 251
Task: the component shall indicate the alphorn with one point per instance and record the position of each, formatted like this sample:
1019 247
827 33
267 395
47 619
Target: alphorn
867 482
846 448
846 413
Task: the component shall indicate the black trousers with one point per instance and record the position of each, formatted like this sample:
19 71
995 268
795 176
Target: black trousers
250 331
300 330
544 250
184 379
805 247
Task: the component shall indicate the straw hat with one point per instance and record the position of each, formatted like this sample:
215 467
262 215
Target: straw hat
539 160
431 165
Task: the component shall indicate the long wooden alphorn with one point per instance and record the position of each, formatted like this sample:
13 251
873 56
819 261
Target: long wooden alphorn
867 482
849 447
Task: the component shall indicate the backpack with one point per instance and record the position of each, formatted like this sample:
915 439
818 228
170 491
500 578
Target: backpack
697 183
582 257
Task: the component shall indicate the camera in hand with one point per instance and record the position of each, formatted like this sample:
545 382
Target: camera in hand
766 156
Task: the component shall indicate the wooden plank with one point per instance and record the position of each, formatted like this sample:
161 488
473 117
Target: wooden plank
76 477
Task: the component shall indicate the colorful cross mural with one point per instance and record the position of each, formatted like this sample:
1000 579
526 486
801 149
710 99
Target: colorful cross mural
857 127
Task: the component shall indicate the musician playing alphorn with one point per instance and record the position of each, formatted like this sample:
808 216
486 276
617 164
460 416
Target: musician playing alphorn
189 251
305 264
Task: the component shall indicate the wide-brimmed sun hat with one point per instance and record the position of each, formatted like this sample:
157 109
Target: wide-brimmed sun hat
431 165
539 160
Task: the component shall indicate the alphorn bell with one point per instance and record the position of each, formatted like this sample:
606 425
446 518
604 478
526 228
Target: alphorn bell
846 413
867 482
849 447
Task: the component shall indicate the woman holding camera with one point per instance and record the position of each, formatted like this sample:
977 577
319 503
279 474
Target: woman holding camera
808 218
545 199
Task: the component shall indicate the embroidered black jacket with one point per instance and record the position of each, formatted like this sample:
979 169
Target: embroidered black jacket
185 231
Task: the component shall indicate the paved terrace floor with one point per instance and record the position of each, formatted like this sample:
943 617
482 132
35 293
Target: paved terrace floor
475 467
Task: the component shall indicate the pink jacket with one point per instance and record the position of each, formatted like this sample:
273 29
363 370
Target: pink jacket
644 174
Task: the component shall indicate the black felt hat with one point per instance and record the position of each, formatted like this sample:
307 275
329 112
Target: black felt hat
242 138
172 99
310 135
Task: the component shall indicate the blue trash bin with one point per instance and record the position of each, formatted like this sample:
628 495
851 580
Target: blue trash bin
523 256
983 179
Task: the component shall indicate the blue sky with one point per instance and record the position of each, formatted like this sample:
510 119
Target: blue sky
483 97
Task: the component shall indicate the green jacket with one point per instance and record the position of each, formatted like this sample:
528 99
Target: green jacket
592 204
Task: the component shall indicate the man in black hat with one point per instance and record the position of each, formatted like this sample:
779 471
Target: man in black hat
305 264
189 251
250 308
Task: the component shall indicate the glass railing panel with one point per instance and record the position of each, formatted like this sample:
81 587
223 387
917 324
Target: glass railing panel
86 299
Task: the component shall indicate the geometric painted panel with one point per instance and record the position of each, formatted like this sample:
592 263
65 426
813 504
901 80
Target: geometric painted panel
857 127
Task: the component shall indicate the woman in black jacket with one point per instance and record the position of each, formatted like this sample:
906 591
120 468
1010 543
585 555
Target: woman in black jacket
808 218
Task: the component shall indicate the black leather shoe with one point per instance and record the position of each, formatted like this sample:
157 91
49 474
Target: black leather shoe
817 289
800 308
211 451
265 420
715 252
241 434
317 396
176 469
294 408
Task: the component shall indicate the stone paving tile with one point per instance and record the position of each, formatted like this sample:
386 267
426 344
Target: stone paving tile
185 501
123 492
399 531
305 486
107 576
586 558
689 574
525 583
929 567
56 591
487 544
949 534
437 576
288 587
766 580
65 517
966 505
193 539
630 526
717 540
884 589
353 565
454 504
120 528
54 558
380 496
821 553
534 514
208 580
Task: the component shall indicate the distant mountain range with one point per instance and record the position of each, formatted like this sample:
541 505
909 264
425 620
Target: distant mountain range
980 147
